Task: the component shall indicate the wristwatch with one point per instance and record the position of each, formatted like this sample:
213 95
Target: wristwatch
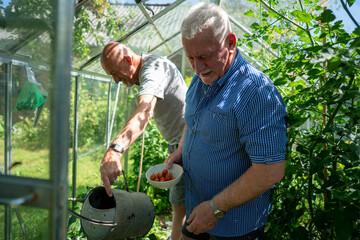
218 213
117 148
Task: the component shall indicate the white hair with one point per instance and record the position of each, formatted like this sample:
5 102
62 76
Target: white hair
203 16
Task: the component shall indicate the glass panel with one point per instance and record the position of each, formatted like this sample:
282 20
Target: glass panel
183 65
143 40
128 17
169 27
92 120
35 222
125 104
26 30
93 101
92 117
95 67
147 37
12 38
39 49
31 121
23 26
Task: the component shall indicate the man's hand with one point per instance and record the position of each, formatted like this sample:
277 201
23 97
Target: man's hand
201 219
110 169
175 157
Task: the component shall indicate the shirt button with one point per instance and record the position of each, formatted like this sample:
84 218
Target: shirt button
197 113
187 153
205 92
268 159
192 132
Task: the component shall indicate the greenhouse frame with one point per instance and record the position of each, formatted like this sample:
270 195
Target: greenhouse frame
56 46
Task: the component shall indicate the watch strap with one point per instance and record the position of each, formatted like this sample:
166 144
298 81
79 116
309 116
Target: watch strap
218 213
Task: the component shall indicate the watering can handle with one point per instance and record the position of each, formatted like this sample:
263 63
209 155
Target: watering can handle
126 185
98 222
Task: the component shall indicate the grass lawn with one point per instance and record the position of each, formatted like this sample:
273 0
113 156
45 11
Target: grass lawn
35 164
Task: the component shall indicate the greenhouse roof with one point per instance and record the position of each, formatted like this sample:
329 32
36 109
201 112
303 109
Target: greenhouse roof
144 26
139 34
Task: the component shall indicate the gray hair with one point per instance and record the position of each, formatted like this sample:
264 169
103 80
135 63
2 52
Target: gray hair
204 15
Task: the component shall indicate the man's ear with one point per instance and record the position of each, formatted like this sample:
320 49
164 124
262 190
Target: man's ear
231 40
128 59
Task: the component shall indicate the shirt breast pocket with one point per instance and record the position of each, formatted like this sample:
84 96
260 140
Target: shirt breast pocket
217 128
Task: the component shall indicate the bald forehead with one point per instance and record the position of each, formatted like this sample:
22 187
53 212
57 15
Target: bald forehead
111 52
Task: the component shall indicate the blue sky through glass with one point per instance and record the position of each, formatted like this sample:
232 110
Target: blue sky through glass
339 12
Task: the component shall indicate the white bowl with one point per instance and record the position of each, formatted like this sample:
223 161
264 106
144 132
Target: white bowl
176 171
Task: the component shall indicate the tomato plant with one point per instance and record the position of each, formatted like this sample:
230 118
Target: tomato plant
317 71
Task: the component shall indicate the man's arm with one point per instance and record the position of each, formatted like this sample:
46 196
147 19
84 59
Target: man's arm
176 157
254 182
110 167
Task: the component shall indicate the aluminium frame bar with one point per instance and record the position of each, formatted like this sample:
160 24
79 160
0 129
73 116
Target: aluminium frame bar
107 133
169 38
60 100
114 111
8 140
23 61
147 16
91 75
75 139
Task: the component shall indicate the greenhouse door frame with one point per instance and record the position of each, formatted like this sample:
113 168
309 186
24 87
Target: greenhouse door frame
50 194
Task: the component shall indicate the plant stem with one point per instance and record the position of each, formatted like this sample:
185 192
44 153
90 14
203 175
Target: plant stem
332 117
307 25
348 12
281 15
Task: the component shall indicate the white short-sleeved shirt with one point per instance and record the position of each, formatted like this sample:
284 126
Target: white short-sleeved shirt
161 78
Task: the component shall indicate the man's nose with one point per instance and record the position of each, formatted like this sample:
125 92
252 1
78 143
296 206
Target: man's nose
199 65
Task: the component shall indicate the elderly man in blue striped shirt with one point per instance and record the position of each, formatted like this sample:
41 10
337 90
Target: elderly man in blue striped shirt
234 142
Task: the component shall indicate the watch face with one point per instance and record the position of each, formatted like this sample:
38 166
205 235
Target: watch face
118 148
219 214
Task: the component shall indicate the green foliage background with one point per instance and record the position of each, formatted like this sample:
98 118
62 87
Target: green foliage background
317 70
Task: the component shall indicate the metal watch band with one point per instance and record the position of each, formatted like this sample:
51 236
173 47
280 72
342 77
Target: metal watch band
218 213
117 148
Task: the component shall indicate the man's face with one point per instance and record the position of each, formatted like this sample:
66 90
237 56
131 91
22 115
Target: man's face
120 70
209 58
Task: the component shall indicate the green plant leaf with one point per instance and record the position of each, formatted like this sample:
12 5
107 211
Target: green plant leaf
350 2
302 16
249 13
327 16
343 223
333 64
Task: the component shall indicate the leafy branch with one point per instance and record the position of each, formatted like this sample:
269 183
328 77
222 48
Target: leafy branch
307 31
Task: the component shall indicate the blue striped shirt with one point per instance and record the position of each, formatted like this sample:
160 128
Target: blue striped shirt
238 120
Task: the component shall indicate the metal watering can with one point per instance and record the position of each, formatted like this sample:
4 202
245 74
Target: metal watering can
125 215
